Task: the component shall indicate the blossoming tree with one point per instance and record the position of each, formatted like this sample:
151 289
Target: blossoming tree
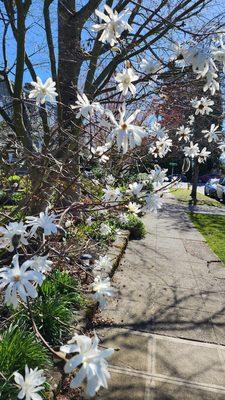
109 59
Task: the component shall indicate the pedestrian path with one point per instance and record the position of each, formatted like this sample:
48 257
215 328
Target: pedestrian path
168 319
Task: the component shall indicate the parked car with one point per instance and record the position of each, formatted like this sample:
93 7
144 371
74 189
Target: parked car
211 187
220 189
207 177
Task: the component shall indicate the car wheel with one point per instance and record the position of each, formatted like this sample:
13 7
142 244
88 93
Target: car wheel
205 192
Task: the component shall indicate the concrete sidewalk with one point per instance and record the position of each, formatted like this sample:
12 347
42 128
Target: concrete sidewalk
169 317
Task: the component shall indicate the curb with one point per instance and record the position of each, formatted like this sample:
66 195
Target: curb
117 250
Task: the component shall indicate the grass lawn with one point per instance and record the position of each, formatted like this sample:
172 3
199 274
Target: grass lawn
183 195
212 227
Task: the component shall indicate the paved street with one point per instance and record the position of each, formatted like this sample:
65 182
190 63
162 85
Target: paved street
169 317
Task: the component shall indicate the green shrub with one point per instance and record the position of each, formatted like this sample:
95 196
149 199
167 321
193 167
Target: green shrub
18 196
135 226
14 179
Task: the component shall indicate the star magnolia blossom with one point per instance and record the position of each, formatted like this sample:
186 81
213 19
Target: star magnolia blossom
42 91
161 147
18 281
191 120
111 194
110 179
123 218
125 80
92 360
203 155
192 150
153 202
31 384
219 55
13 235
40 264
100 152
211 83
127 134
112 27
158 131
134 207
105 229
183 133
135 188
102 289
158 175
222 147
85 107
150 67
202 106
211 134
44 221
103 263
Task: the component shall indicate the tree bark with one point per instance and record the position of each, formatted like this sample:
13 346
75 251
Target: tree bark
195 175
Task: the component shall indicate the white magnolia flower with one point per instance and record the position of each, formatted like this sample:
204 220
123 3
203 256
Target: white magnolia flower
112 27
183 133
42 91
200 60
153 202
222 147
179 52
18 281
103 264
123 218
219 55
102 289
101 151
93 360
111 194
105 229
158 131
150 67
40 264
211 83
202 106
203 155
89 221
161 147
13 235
158 174
135 188
44 221
134 207
211 134
85 107
110 180
31 384
125 80
127 134
192 150
191 120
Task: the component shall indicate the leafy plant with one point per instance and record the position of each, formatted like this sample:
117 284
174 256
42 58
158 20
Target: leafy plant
18 347
136 227
18 196
14 179
53 309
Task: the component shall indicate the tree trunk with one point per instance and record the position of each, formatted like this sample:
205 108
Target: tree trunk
195 175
